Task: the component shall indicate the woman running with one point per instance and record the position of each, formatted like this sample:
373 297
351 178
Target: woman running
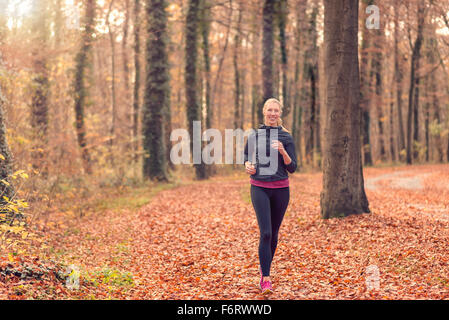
270 193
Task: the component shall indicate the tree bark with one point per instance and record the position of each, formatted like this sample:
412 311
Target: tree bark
41 86
377 77
218 79
282 13
398 76
113 127
365 90
267 54
256 98
343 188
309 90
136 89
191 78
432 106
157 92
81 92
297 108
205 22
412 116
237 75
126 85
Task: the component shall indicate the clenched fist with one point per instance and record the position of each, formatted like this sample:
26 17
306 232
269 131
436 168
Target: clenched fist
250 169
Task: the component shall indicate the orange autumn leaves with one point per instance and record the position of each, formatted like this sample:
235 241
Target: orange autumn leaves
200 241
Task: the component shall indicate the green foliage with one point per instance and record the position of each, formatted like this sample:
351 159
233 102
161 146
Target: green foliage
11 208
108 276
420 148
436 128
13 231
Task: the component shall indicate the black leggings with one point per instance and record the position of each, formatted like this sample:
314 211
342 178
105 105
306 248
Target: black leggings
270 206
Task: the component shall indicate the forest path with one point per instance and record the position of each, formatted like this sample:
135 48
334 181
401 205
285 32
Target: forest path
200 241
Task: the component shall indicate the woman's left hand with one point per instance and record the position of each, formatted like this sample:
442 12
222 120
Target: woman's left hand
276 144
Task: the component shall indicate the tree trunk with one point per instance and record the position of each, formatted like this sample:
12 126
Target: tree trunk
136 89
113 95
237 76
218 80
267 52
81 92
297 109
398 76
205 31
432 106
193 107
127 96
378 101
255 69
365 90
412 116
343 188
310 90
282 14
41 87
157 92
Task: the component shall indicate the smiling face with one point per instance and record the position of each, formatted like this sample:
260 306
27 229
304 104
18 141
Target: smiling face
272 113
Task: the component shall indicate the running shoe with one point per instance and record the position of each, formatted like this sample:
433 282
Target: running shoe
266 287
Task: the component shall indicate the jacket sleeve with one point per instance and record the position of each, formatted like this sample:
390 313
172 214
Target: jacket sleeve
290 148
248 155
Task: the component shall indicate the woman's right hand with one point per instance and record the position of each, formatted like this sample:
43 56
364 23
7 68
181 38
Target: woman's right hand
250 169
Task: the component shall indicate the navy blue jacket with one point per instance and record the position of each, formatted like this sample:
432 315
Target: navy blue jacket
253 155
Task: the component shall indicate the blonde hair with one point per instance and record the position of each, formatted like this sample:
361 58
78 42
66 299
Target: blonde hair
274 100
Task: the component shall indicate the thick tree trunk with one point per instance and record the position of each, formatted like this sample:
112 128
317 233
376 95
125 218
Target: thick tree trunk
193 107
157 92
309 91
343 188
413 103
81 92
41 87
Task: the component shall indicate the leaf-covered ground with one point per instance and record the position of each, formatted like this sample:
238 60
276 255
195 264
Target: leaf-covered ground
199 241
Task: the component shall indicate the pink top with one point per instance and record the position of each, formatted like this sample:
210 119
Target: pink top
270 184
